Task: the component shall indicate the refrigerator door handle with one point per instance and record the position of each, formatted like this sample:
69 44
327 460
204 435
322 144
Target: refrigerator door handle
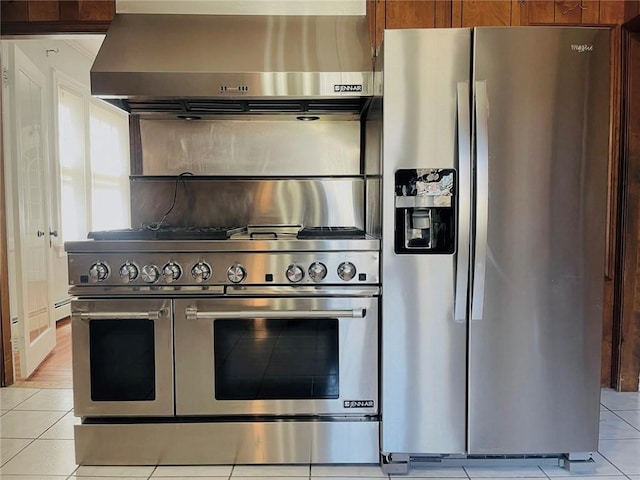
464 202
482 199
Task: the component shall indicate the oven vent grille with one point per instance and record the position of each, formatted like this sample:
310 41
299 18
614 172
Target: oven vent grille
220 107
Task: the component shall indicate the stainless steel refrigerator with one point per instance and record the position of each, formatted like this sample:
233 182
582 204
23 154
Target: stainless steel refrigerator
495 146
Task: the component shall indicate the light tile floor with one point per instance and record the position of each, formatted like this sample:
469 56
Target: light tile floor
36 443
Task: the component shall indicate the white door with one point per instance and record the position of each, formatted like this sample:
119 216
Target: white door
28 187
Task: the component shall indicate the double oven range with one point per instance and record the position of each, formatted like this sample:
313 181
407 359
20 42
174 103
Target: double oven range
256 344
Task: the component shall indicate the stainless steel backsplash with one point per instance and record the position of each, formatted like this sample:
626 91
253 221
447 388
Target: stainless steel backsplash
236 202
255 147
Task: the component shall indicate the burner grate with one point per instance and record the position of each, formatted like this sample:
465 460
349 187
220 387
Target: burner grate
345 233
167 233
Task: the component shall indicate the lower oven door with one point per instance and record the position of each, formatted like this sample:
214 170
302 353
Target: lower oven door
122 357
277 356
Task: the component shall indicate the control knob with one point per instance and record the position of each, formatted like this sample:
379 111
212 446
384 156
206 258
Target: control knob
295 273
236 273
150 274
346 271
98 272
171 272
128 272
317 271
201 272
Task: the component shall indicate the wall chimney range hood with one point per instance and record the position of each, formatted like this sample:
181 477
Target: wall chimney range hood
191 65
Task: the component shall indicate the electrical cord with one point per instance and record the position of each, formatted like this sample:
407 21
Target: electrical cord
156 225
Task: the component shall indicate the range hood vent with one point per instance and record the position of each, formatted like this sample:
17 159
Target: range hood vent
187 107
216 64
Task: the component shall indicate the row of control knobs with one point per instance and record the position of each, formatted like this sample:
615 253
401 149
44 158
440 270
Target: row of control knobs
201 271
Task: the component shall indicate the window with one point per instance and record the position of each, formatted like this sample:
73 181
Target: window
93 148
109 167
71 149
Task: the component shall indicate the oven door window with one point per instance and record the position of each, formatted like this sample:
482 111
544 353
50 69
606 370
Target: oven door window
276 359
122 359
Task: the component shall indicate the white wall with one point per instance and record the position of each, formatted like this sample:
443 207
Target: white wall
244 7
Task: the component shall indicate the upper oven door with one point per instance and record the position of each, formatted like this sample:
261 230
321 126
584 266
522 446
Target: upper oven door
277 356
122 357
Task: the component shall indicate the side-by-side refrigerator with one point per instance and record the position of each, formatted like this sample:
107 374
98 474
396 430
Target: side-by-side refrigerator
495 146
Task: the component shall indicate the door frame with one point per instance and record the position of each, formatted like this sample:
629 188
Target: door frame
625 361
6 352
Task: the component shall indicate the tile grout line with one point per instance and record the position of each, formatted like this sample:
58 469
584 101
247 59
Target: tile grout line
22 401
16 454
609 461
624 420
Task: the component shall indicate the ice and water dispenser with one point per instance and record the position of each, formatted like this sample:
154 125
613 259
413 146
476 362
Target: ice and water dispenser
425 210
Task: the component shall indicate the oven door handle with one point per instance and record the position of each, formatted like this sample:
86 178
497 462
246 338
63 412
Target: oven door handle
193 314
121 315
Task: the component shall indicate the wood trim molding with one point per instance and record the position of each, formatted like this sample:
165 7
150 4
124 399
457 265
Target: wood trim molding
52 28
610 320
6 352
135 145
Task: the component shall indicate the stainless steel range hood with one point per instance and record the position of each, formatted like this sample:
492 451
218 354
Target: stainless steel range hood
213 64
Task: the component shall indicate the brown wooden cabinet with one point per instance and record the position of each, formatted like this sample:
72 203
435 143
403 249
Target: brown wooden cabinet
19 17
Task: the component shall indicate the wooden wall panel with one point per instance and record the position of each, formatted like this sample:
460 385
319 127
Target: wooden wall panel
371 21
456 13
518 13
443 13
540 12
590 12
376 21
568 12
617 12
612 276
410 14
477 13
629 365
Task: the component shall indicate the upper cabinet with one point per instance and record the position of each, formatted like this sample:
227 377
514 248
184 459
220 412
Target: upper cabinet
21 17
